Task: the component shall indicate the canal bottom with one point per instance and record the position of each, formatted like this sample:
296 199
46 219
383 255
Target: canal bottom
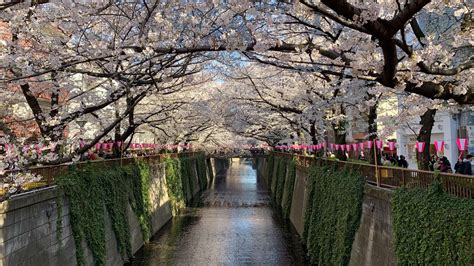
231 223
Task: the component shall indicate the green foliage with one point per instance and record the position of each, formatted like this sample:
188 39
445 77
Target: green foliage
174 184
334 215
87 211
202 171
92 191
187 177
289 186
274 178
181 178
432 227
280 181
309 201
140 202
270 165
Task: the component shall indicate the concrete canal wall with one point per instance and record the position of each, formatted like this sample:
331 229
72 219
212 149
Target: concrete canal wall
29 224
373 243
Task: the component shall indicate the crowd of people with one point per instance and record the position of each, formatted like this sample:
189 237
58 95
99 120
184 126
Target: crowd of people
441 164
463 165
394 160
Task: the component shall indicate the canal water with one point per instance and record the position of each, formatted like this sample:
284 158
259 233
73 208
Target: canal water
232 223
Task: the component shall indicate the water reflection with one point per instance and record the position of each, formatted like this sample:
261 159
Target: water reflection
232 224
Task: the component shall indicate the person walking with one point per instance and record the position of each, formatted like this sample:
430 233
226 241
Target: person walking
458 167
402 162
445 165
467 165
433 164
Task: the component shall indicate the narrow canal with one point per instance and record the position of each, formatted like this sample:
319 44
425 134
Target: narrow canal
232 223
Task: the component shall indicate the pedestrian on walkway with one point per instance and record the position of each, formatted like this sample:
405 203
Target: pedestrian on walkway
464 167
445 165
402 162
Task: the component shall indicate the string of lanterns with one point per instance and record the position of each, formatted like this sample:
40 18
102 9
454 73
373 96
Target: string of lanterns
420 146
39 148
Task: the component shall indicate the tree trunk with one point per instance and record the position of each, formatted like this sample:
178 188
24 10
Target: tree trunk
117 134
340 138
312 132
427 122
372 130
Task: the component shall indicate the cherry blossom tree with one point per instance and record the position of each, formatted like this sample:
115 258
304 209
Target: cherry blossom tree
112 57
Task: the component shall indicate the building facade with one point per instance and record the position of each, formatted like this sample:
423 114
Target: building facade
448 127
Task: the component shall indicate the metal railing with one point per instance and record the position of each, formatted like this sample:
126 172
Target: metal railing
49 172
394 177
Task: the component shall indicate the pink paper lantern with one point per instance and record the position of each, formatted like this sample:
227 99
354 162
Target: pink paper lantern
391 145
420 146
369 144
337 146
354 146
461 144
97 146
379 144
343 147
439 146
361 146
348 147
332 146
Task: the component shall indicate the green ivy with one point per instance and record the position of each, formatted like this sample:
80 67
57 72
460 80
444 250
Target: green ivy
174 185
274 177
94 190
334 217
270 165
432 227
308 212
187 177
289 187
140 202
202 171
280 181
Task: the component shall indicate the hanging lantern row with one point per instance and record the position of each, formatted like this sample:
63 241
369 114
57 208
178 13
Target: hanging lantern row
420 146
39 148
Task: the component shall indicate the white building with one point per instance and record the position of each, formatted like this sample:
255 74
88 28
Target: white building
448 127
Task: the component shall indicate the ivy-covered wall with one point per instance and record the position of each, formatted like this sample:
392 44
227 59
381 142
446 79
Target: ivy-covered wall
333 214
332 209
433 228
282 180
288 189
95 191
349 222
